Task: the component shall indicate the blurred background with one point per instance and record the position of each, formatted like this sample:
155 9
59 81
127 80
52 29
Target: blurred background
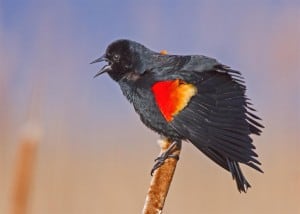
95 155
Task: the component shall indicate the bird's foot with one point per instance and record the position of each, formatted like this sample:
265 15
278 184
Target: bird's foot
164 156
161 159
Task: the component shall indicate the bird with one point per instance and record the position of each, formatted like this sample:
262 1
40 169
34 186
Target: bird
190 98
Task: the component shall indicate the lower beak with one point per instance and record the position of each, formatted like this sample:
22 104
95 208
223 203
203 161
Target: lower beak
105 68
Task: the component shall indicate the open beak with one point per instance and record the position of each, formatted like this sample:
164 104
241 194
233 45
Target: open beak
105 68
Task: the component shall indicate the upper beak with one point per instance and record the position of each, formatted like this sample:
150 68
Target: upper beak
101 59
105 68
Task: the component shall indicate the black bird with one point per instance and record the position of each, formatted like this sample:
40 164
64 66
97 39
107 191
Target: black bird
188 98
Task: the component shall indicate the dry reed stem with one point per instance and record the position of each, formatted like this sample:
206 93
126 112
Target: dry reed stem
161 181
23 172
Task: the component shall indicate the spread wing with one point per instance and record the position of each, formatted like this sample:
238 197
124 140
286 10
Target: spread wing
215 115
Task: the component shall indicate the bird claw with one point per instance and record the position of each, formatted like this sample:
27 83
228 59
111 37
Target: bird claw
160 160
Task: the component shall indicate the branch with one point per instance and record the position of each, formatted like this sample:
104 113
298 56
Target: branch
161 180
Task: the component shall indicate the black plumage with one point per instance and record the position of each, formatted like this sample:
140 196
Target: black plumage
218 119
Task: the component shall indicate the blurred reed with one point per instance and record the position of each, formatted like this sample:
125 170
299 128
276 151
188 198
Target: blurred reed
23 170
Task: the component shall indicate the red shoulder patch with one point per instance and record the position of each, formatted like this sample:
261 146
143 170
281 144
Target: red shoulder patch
172 96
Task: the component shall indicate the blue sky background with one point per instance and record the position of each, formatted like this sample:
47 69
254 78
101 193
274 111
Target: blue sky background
45 76
53 41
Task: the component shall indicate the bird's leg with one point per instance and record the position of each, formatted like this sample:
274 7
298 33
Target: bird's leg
165 155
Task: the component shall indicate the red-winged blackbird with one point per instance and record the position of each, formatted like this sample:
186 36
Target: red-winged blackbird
192 98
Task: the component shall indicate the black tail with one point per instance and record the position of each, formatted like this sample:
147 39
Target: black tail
232 166
237 175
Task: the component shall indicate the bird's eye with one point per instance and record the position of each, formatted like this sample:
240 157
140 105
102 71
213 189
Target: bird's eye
116 57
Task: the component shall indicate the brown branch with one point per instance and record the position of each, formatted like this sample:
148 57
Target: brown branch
161 180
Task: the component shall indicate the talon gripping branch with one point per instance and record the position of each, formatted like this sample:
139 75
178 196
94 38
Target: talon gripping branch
188 98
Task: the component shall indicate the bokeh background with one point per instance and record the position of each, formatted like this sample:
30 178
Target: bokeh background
95 155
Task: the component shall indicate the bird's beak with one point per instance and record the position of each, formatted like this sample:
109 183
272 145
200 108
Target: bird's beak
105 68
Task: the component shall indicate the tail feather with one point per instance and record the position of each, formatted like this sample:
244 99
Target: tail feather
237 175
231 166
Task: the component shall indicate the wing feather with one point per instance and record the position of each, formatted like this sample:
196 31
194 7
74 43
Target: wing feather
218 121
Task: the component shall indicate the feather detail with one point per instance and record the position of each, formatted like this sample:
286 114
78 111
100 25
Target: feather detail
172 96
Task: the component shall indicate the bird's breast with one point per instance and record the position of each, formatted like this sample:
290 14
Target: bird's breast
145 105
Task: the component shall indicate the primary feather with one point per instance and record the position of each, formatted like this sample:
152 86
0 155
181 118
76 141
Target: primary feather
218 122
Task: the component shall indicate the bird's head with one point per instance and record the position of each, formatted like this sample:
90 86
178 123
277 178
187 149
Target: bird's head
123 57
